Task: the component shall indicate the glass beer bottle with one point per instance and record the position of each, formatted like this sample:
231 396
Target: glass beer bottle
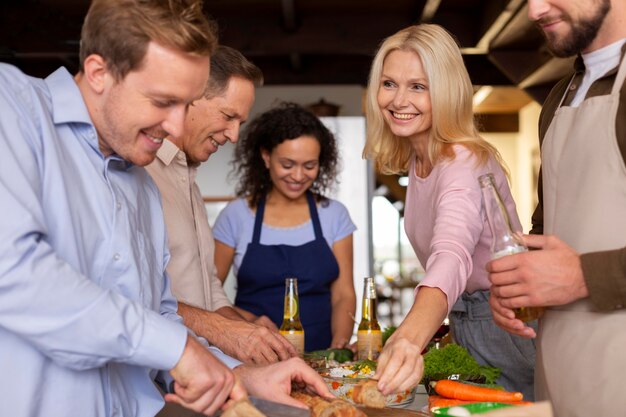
505 241
369 337
291 328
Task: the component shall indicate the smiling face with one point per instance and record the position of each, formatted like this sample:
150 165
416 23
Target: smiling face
293 166
570 27
213 122
133 115
404 96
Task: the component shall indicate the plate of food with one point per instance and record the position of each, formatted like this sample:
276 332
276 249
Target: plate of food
345 381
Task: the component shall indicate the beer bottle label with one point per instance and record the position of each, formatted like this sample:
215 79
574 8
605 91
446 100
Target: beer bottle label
296 338
369 344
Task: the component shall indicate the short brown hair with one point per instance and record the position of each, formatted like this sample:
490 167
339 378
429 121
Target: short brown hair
120 31
227 62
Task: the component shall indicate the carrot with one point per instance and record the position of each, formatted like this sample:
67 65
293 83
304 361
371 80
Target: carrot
438 401
457 390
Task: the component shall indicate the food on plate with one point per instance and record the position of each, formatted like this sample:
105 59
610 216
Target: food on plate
454 359
342 380
366 393
327 408
242 408
460 391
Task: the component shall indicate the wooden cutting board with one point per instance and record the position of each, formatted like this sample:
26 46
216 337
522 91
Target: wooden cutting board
392 412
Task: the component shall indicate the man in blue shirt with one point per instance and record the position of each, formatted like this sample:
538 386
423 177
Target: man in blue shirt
86 314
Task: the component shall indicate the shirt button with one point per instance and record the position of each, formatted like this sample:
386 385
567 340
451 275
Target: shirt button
573 87
116 257
119 205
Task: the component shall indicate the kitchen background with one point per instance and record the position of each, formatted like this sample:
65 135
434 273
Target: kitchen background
313 50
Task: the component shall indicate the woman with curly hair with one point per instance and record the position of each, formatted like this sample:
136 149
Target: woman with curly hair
420 120
283 225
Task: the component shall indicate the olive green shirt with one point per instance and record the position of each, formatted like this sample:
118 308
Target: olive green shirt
605 271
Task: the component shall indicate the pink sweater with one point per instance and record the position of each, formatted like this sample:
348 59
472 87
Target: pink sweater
446 223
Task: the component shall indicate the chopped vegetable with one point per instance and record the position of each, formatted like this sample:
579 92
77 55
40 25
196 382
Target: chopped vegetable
454 359
361 365
387 333
460 391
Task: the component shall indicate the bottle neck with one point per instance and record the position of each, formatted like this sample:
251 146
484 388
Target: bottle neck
504 239
369 321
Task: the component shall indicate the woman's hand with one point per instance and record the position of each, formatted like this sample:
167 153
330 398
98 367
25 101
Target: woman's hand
400 365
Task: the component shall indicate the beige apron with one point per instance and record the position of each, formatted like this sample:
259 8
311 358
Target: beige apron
581 354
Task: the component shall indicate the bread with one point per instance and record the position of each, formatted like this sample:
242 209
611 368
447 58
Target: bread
242 408
366 393
327 408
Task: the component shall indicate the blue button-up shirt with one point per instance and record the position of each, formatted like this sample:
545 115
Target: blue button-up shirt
86 313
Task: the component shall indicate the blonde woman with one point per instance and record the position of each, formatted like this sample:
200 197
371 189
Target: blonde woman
420 121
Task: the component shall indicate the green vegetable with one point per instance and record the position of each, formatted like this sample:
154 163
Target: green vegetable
388 332
454 359
339 355
358 365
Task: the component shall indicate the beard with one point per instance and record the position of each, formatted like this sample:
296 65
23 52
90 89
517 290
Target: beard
582 33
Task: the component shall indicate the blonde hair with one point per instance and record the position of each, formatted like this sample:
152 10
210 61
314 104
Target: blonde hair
451 99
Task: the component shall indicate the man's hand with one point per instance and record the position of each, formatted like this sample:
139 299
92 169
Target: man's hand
251 343
400 365
273 382
505 318
233 335
202 382
549 276
265 322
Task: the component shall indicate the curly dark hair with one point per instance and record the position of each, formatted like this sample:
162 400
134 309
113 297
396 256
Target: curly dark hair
287 121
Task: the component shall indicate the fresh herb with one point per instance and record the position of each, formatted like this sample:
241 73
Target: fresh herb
365 363
388 332
454 359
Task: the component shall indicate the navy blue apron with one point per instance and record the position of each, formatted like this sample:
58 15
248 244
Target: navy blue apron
261 279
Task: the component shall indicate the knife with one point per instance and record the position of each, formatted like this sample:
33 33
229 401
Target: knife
273 409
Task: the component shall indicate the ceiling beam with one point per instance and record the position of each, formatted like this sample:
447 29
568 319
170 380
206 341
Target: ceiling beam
429 11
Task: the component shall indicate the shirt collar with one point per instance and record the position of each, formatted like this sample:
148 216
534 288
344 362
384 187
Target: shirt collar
168 151
579 63
67 101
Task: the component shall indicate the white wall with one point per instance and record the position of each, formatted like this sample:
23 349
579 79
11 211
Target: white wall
520 152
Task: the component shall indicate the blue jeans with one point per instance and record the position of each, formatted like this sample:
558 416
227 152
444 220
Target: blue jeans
472 327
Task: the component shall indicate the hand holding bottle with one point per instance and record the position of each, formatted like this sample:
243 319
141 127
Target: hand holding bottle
504 240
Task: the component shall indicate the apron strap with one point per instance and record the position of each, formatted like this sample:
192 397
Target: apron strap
566 92
258 220
314 216
260 211
619 78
